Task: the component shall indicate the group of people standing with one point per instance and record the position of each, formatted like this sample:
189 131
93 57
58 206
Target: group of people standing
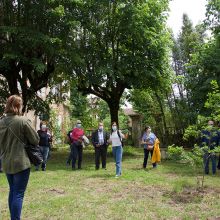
16 131
100 140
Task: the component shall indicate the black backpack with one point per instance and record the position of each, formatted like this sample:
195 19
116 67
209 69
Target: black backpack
122 143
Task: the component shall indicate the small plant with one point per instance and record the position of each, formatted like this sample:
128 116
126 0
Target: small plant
193 158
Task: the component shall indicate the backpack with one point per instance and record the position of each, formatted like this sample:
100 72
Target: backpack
122 143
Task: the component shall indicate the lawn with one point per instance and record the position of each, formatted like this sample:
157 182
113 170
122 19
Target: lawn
167 192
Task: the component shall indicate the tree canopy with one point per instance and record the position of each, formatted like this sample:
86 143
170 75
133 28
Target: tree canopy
118 45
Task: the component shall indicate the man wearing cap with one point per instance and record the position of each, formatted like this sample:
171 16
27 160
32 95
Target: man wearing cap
76 146
99 141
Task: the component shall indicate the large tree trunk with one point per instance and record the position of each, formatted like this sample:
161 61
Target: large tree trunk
114 108
162 112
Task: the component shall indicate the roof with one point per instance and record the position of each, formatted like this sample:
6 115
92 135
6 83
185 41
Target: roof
130 112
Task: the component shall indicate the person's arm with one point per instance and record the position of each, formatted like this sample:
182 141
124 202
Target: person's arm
106 138
121 134
30 134
143 139
94 139
110 139
154 138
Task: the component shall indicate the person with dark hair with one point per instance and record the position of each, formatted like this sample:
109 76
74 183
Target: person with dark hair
100 143
148 140
44 143
77 145
15 130
115 139
210 139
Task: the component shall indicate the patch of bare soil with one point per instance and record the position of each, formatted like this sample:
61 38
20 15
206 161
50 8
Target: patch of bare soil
192 195
56 191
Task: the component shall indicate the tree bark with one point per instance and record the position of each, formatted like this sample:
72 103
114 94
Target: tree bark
114 108
162 112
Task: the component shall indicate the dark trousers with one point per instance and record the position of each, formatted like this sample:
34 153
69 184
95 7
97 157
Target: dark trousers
0 165
100 152
76 151
206 158
146 154
69 156
17 184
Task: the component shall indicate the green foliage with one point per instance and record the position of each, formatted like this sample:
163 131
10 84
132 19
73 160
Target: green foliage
55 127
192 158
32 34
175 153
213 105
191 131
117 43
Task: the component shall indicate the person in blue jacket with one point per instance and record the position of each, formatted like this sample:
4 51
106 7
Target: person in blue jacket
210 138
148 140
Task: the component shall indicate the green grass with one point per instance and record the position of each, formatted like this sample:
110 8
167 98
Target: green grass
167 192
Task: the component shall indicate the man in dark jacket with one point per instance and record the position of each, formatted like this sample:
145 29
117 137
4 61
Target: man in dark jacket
210 138
99 141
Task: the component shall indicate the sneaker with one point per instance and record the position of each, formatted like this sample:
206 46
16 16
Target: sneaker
116 176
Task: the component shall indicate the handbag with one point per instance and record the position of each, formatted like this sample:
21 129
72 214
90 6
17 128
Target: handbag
33 151
150 147
34 154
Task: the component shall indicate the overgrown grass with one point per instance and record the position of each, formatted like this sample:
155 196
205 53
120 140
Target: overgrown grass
167 192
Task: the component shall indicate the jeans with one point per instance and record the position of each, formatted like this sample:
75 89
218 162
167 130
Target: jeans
146 154
100 152
117 154
206 158
17 184
44 151
76 151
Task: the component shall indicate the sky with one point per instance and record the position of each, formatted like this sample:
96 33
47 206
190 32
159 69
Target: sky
195 9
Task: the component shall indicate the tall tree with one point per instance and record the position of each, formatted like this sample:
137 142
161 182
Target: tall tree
31 33
187 43
205 65
120 44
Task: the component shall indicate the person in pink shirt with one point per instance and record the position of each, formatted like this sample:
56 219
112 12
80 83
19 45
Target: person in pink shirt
76 145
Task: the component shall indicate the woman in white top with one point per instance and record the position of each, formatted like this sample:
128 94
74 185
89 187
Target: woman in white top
116 140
